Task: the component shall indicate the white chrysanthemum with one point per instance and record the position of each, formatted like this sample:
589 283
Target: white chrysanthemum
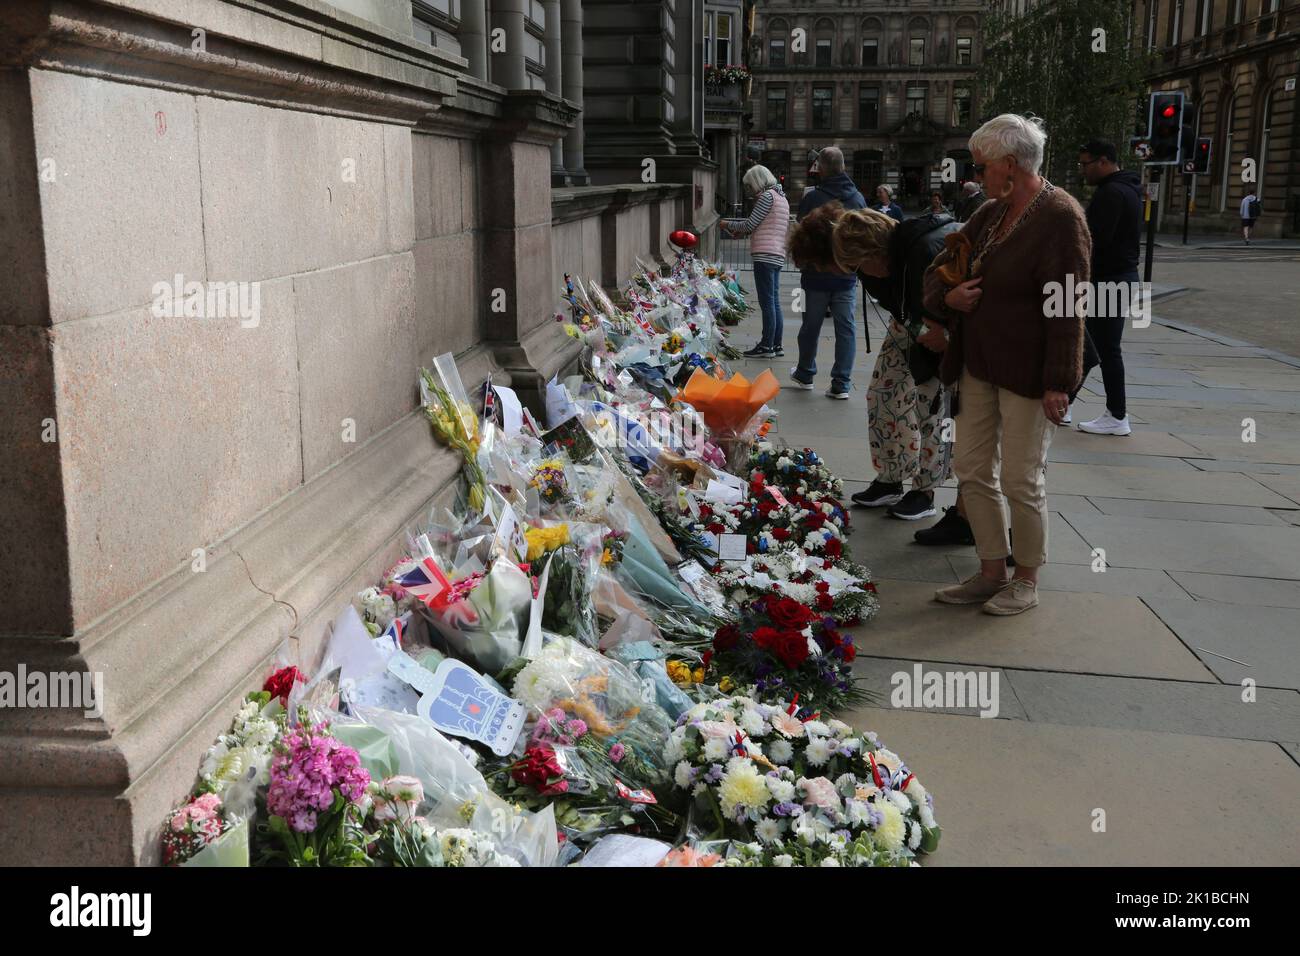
839 728
913 836
858 812
682 775
768 830
782 790
927 817
716 749
817 752
846 784
783 859
674 751
699 789
780 751
900 801
892 831
829 861
743 788
816 728
752 722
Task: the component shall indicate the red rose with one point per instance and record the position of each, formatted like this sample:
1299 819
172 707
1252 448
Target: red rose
792 648
833 548
788 614
726 637
717 528
825 602
823 587
814 521
766 637
281 682
870 586
767 507
850 652
540 770
781 534
706 511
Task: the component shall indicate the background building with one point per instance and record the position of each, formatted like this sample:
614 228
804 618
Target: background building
728 25
1238 62
892 84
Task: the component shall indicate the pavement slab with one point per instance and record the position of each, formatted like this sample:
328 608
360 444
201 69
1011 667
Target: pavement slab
1018 793
1236 589
1186 511
882 675
1114 481
1058 576
1066 632
1264 640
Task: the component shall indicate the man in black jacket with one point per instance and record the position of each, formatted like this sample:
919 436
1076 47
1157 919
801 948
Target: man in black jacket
1115 222
905 401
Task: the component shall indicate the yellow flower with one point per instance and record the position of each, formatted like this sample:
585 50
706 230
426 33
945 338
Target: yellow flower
606 557
679 673
542 540
698 675
726 685
892 831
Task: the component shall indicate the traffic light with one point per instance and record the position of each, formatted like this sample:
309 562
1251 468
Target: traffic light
1165 127
1201 156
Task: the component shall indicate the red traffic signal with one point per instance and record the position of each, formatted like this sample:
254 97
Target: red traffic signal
1168 112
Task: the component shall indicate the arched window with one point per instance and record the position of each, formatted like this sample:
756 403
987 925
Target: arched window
778 38
871 39
918 36
1263 145
966 33
823 42
1229 120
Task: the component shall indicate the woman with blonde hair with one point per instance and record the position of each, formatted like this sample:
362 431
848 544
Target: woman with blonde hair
1015 353
905 404
766 227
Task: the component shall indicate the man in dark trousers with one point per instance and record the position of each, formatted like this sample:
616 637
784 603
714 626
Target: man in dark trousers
1115 222
825 291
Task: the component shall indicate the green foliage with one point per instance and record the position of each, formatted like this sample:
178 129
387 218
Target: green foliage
1043 62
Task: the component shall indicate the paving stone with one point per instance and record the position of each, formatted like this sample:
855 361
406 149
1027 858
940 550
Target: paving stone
1274 449
1293 751
1111 481
1265 638
1211 547
1059 576
1236 589
1248 468
1117 458
1291 517
1288 485
1216 421
1008 792
1067 632
1146 442
1281 380
879 676
1176 707
1184 511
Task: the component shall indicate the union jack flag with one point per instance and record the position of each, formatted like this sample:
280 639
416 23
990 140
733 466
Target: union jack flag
426 581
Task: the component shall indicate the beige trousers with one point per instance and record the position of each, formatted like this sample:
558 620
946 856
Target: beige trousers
1000 458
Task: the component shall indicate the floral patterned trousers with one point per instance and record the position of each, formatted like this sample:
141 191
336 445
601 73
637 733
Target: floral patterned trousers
905 421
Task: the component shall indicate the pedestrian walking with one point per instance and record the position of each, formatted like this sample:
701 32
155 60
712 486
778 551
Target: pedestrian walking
827 288
1251 208
766 227
1115 225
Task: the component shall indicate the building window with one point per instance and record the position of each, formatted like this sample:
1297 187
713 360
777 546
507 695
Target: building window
1234 11
1204 14
822 104
1153 15
1176 24
917 48
965 51
776 108
916 98
868 107
823 53
867 169
870 52
961 105
776 52
717 39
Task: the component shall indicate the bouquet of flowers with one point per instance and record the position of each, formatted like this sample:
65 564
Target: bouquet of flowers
401 837
192 827
239 763
798 792
314 801
839 590
784 647
454 421
803 472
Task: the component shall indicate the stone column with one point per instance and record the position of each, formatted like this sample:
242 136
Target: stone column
571 82
554 81
473 36
688 76
508 68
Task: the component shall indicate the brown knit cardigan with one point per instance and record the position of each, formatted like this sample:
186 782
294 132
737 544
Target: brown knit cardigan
1009 340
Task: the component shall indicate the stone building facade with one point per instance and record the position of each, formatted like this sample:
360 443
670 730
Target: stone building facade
192 483
1238 61
891 83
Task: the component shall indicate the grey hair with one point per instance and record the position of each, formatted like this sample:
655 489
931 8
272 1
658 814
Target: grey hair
889 190
758 178
1020 137
971 188
831 160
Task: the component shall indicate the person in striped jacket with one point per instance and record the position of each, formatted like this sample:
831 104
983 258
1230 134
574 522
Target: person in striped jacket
766 227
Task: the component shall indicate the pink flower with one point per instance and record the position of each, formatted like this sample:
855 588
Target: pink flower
820 792
617 752
306 771
577 727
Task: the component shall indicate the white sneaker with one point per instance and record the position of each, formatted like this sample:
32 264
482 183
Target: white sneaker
806 386
1106 424
1067 419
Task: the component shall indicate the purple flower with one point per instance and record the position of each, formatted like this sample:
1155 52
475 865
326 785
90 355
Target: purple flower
617 752
305 773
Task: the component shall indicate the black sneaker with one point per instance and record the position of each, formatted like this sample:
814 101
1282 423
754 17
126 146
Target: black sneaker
914 506
879 494
952 528
778 351
758 351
